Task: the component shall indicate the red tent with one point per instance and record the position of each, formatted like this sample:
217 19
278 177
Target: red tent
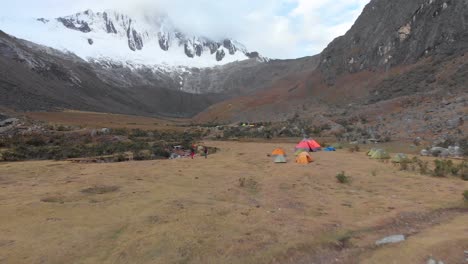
308 145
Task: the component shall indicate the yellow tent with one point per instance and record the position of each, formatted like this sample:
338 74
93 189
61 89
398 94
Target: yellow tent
304 158
278 152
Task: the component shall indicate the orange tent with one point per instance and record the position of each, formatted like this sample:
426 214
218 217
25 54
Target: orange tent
278 152
304 158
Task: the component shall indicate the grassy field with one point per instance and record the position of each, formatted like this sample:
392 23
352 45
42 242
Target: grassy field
101 120
234 207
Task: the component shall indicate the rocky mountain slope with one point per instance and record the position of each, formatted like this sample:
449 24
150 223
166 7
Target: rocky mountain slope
33 77
401 68
391 33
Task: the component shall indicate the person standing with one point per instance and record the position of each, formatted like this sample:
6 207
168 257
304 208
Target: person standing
205 151
192 152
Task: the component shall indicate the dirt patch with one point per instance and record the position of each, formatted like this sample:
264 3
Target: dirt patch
5 243
100 189
53 199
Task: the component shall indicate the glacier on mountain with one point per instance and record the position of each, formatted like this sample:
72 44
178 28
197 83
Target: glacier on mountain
112 36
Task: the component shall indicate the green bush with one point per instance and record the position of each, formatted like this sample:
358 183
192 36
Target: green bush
423 166
12 156
142 155
444 168
35 141
440 169
138 133
463 170
120 158
159 151
76 145
342 178
465 195
187 141
119 131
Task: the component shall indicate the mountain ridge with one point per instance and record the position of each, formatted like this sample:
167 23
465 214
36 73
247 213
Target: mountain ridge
402 64
114 36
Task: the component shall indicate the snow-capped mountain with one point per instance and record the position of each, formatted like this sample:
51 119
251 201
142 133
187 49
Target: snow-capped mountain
116 37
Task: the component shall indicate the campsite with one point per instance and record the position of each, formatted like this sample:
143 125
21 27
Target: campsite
250 202
245 132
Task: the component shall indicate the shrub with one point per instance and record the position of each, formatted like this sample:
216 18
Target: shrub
241 182
138 133
159 151
445 167
187 141
463 170
440 169
465 195
354 148
423 166
12 156
120 158
464 146
35 141
119 131
404 165
342 178
63 128
142 155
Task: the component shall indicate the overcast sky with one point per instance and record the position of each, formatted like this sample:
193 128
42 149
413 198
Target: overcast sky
275 28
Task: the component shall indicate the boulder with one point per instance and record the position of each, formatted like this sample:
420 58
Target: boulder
444 154
9 122
437 151
105 131
417 141
455 151
425 153
390 240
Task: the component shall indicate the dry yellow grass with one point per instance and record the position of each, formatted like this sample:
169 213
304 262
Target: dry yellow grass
101 120
195 211
446 242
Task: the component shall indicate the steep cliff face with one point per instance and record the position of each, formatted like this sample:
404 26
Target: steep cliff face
391 33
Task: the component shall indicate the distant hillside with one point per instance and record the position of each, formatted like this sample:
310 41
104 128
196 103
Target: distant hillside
402 68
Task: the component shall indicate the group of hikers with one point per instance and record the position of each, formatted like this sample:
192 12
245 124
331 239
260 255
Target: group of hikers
192 152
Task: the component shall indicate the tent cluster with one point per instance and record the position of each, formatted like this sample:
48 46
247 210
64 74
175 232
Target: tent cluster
381 154
301 152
